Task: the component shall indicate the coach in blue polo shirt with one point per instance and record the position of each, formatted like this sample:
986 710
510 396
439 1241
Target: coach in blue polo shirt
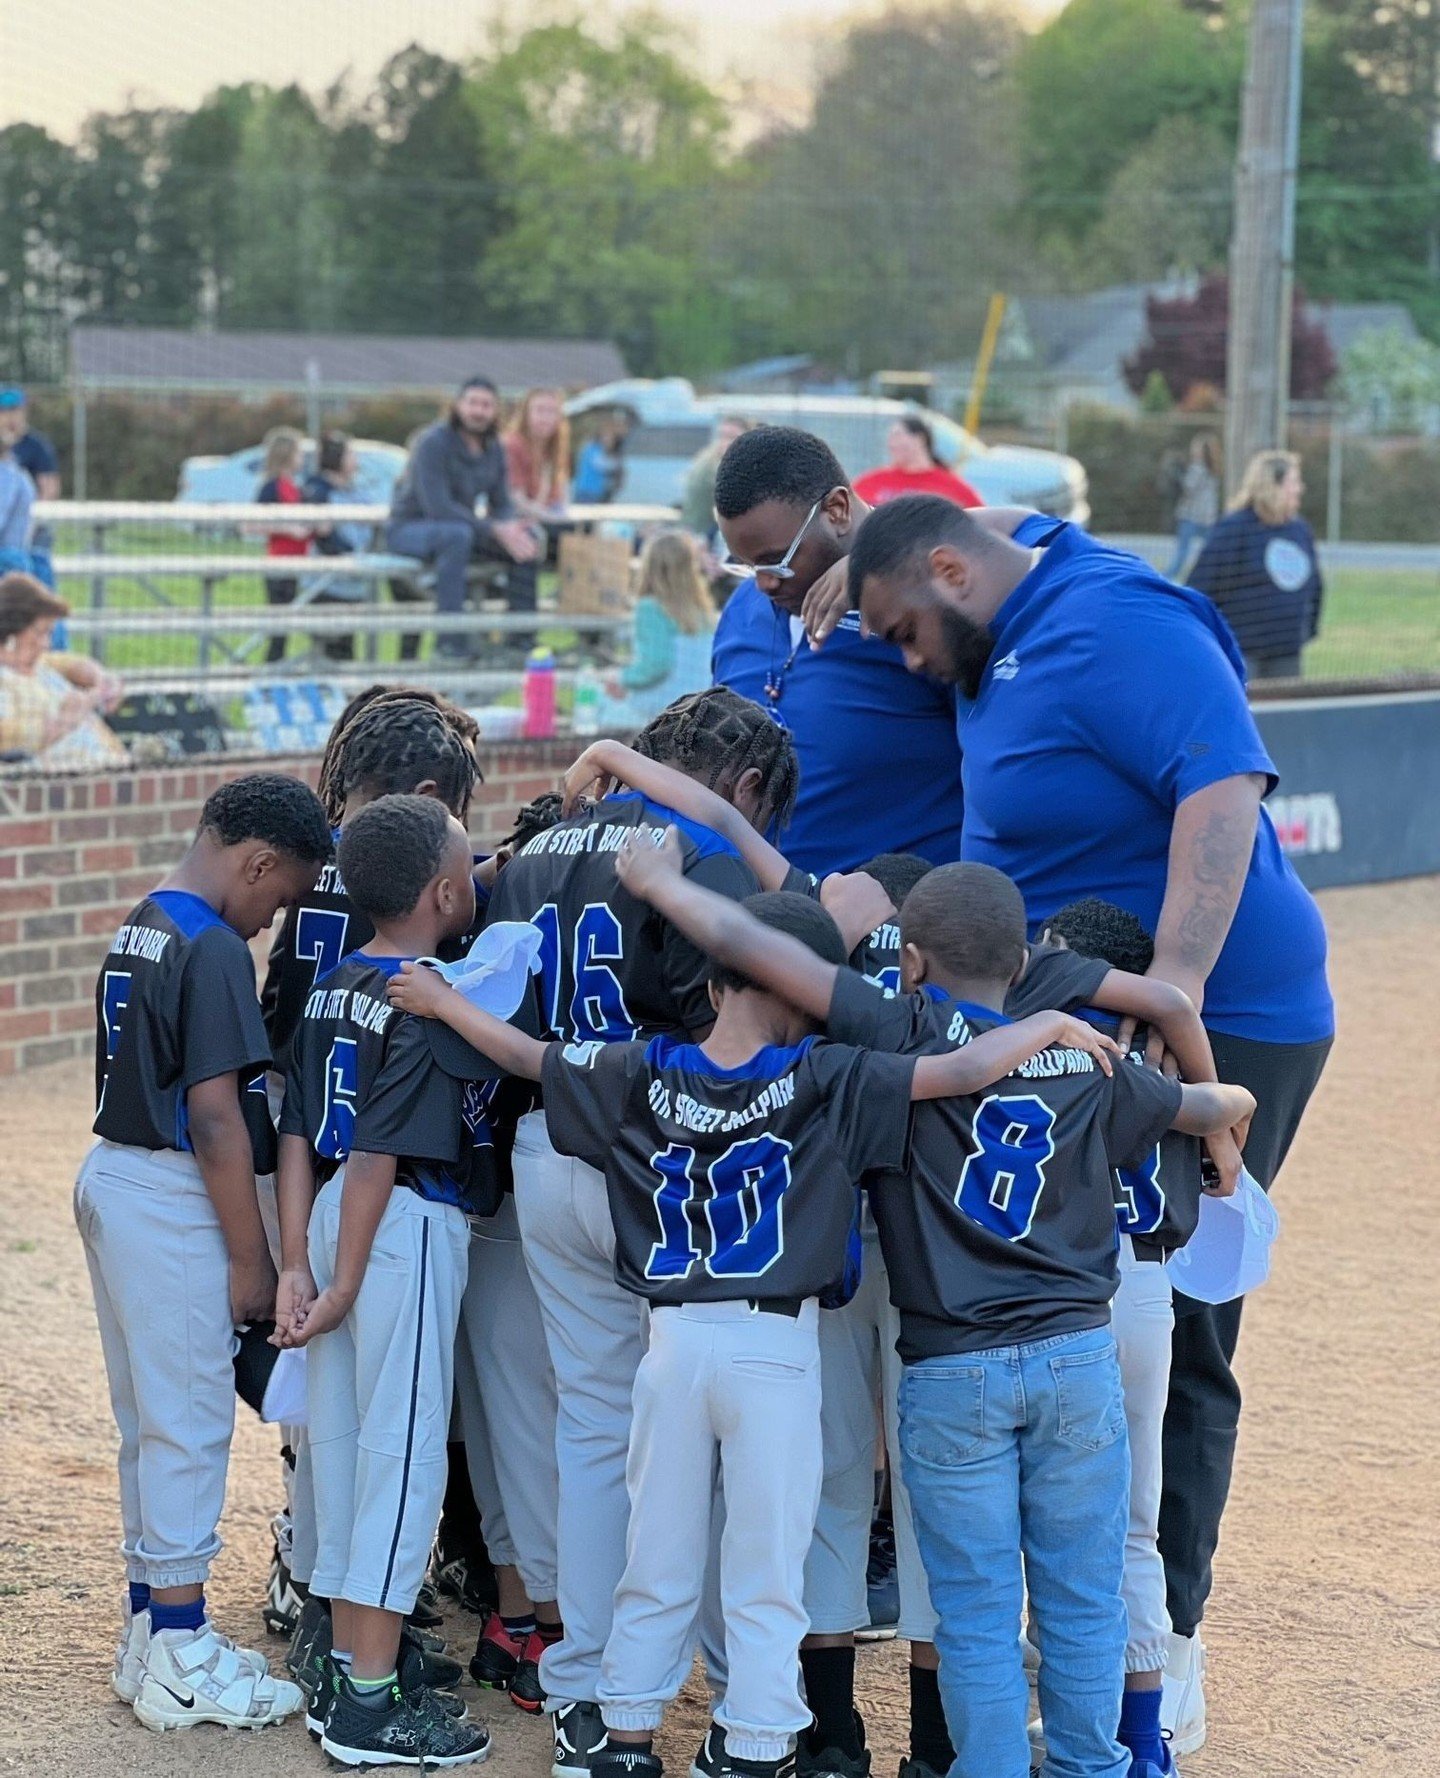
879 756
1110 751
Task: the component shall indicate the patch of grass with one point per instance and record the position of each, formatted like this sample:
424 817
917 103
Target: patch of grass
24 1247
1376 622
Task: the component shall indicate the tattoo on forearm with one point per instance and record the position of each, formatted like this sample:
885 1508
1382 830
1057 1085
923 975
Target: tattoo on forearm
1219 856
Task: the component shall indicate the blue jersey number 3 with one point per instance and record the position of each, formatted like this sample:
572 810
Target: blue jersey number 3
737 1227
1001 1183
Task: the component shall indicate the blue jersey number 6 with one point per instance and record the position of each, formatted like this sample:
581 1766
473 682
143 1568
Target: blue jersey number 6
1001 1183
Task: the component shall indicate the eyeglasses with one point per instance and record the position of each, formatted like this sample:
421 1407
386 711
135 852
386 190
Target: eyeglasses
780 570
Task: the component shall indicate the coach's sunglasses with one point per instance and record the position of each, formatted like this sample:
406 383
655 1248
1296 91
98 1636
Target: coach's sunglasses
780 570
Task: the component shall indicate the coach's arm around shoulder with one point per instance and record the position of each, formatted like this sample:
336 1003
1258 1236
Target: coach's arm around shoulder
221 1144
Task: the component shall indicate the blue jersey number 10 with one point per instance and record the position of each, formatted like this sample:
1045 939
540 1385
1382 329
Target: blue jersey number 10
736 1226
1001 1183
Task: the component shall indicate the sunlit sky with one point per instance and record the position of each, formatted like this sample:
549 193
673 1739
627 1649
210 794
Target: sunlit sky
60 59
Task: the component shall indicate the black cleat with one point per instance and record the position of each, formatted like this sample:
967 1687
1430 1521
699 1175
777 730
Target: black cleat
440 1673
526 1691
711 1757
579 1735
617 1761
405 1732
832 1762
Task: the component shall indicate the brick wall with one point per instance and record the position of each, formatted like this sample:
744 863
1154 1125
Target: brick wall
77 853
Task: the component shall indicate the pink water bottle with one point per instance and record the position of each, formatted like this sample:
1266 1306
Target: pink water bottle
539 695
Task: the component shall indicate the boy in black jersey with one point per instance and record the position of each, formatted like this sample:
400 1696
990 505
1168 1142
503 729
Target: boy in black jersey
388 740
730 1167
1000 1238
610 970
167 1209
373 1276
1093 964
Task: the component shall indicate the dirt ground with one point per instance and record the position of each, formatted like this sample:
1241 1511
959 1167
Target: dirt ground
1324 1631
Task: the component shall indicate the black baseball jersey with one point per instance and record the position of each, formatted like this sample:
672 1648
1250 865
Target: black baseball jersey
313 937
428 1105
174 1005
336 1052
1157 1203
611 969
1002 1229
877 956
727 1183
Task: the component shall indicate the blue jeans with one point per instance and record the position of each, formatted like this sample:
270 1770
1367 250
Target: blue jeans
1022 1450
1189 538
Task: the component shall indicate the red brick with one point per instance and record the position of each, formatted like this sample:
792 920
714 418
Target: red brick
107 858
139 823
102 922
104 794
132 887
76 1018
146 790
15 834
8 995
9 866
57 1049
82 827
48 861
17 1025
26 898
9 1061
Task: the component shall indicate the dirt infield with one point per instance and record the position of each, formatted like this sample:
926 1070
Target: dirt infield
1325 1629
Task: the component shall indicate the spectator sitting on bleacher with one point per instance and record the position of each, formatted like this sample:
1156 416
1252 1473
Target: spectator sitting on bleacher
453 464
36 455
332 482
50 704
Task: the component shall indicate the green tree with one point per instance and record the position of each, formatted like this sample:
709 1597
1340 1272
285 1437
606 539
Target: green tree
607 154
1095 85
282 267
35 172
1168 207
879 229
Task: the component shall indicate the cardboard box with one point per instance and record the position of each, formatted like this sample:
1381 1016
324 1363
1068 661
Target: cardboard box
595 574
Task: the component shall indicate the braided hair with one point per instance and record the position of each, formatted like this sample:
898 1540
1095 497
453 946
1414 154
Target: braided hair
535 818
717 736
392 738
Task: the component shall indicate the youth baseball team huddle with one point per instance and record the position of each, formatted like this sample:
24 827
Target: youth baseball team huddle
741 1119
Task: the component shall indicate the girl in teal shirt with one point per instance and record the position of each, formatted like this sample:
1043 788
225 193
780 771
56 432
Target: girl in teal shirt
674 623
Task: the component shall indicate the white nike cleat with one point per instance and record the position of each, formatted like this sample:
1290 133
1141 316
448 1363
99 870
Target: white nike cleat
130 1652
194 1676
1182 1700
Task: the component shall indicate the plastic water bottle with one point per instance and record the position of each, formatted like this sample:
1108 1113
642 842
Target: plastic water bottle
588 693
538 695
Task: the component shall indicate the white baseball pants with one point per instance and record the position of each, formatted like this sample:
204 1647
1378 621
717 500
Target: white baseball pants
596 1335
160 1271
505 1387
858 1366
379 1388
298 1480
1141 1318
722 1386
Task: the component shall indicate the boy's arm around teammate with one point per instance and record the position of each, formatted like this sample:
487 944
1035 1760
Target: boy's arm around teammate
790 969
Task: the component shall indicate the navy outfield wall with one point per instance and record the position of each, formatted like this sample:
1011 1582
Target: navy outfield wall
1359 794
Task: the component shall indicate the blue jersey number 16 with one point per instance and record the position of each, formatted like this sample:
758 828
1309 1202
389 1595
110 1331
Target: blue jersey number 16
1001 1182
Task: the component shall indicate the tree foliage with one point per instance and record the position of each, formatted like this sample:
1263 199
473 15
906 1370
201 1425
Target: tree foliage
1186 339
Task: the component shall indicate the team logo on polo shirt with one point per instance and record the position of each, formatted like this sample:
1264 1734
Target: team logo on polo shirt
1007 667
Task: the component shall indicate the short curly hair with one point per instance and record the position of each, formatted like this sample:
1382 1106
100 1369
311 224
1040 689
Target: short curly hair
1100 929
775 463
283 812
390 851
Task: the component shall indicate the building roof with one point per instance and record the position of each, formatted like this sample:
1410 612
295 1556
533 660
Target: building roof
1348 322
178 358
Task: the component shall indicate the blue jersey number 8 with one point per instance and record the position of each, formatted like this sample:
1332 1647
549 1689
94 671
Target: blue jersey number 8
738 1228
1001 1183
342 1082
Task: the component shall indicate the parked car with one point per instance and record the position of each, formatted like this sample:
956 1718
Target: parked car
670 423
233 480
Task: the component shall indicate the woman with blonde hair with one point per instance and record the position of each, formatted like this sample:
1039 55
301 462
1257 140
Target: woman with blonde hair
1260 567
537 454
674 628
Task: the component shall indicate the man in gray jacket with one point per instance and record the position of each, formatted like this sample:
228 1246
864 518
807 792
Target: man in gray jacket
452 465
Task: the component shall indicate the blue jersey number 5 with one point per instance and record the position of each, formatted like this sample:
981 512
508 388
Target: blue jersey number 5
1001 1183
342 1082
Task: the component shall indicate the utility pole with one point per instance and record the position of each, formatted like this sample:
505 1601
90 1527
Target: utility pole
1262 247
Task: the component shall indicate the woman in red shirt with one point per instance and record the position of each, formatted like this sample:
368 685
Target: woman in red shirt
284 455
913 469
537 455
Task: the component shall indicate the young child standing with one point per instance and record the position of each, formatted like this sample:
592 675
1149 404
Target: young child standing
999 1234
167 1209
373 1284
730 1167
